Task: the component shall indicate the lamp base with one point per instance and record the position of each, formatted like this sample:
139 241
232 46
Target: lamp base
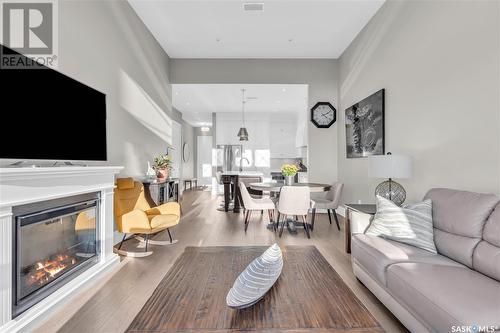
392 191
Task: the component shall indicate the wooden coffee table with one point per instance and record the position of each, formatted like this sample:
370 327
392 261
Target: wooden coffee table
309 296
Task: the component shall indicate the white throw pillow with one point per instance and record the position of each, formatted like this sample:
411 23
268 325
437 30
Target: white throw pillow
410 224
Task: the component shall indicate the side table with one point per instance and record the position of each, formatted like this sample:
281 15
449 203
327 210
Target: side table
362 208
158 193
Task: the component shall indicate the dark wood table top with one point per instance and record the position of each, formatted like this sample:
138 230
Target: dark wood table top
309 296
363 208
155 181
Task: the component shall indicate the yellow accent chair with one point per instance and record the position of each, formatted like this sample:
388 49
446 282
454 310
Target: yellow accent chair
134 215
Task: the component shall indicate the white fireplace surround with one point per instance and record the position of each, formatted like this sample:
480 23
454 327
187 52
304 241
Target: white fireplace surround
20 186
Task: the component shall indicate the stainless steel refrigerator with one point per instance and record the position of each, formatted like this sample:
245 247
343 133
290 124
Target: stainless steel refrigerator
227 156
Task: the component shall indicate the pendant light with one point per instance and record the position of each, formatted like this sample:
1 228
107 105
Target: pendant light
243 133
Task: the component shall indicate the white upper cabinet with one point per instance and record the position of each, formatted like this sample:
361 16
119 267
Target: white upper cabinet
276 132
282 138
301 133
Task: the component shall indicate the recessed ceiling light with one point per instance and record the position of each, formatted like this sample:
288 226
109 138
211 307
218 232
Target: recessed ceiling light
187 103
283 90
278 101
176 93
205 129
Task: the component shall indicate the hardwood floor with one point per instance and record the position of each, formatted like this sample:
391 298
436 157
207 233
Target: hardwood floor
112 307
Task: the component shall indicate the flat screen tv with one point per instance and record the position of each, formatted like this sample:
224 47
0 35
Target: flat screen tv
46 115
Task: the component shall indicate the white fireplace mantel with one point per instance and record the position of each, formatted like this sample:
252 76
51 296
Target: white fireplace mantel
19 186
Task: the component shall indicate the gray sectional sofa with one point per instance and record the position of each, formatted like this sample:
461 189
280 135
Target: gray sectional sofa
455 290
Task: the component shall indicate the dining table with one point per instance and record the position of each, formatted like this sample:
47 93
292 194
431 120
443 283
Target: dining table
231 180
274 188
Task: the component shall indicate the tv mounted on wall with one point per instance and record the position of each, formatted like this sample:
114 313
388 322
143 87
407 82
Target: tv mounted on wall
46 115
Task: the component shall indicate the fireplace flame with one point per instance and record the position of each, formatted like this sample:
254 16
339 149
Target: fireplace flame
48 269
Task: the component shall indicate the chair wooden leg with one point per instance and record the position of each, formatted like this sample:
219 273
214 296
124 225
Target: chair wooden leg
329 216
283 224
247 220
306 226
121 243
336 219
313 217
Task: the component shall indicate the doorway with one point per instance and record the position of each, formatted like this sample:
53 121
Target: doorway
204 160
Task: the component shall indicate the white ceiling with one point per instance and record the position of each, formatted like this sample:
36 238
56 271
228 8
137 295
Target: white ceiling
197 102
285 29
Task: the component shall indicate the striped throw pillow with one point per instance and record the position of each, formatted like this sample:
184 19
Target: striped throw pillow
410 224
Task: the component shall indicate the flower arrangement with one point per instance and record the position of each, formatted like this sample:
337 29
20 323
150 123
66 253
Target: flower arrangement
289 170
163 163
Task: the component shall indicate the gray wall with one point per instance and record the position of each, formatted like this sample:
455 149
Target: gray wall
103 43
320 74
439 64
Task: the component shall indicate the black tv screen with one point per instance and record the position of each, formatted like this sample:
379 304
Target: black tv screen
47 115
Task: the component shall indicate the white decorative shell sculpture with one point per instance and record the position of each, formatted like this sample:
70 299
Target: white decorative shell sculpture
255 281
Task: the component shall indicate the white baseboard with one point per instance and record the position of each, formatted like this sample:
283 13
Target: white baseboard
340 210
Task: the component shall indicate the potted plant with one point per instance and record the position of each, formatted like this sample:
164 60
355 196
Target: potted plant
289 171
163 163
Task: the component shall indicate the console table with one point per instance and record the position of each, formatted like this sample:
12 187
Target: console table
158 193
362 208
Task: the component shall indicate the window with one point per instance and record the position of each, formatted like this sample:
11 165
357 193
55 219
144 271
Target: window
247 153
262 158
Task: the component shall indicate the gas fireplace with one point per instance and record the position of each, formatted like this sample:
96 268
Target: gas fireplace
53 242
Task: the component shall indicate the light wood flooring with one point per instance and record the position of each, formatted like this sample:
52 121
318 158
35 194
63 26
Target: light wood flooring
113 306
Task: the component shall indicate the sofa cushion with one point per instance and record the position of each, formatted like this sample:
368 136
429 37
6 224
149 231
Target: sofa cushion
442 296
491 231
375 254
459 213
486 258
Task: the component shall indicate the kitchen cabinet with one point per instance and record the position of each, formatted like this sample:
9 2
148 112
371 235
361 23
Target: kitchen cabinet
301 133
282 139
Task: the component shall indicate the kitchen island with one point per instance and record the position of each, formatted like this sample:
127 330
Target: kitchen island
231 179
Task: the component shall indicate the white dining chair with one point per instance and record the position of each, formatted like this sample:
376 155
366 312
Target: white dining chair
251 204
330 202
294 201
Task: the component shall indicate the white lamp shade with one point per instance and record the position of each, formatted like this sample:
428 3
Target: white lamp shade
390 166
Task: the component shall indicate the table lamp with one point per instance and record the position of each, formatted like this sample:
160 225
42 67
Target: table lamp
390 166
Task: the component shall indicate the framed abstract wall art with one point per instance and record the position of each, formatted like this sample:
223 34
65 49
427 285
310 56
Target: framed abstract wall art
364 122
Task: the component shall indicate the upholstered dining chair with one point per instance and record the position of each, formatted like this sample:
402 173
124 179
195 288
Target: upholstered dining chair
134 215
294 201
330 202
252 204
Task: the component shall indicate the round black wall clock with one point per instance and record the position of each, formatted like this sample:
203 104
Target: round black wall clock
323 115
